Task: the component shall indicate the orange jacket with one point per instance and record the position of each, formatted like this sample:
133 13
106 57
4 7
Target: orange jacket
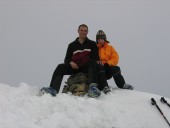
108 54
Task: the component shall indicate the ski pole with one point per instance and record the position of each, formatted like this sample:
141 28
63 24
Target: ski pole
153 102
164 101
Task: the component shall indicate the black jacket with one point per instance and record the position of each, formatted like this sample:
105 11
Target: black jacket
81 53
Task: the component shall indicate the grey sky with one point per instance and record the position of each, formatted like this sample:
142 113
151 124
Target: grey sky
34 35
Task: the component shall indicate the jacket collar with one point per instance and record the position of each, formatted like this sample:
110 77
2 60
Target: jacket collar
77 41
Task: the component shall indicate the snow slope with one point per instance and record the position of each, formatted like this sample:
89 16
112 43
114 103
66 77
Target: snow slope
21 107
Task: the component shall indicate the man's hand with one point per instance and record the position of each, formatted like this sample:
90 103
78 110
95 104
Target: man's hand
73 65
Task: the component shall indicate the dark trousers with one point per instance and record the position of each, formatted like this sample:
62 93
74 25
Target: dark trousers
89 68
115 72
102 77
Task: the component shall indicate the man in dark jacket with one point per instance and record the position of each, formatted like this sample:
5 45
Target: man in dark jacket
81 56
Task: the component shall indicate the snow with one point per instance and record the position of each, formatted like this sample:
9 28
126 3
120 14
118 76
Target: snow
22 107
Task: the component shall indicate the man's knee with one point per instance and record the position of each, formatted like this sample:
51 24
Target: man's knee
60 68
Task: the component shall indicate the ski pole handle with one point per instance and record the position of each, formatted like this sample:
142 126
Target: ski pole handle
163 100
153 102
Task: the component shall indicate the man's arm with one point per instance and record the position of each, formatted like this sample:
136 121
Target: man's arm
68 57
69 54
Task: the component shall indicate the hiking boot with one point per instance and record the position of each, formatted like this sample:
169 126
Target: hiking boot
106 90
127 86
93 90
48 90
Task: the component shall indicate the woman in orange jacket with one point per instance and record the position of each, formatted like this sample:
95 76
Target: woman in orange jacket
109 59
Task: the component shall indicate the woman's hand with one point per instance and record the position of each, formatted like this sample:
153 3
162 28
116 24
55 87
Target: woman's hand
100 63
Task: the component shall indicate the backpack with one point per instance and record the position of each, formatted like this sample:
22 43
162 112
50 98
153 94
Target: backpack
76 84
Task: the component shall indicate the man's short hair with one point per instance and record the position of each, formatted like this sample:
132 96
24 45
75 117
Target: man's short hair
83 25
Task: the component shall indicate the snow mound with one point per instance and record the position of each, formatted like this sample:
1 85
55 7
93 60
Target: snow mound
21 107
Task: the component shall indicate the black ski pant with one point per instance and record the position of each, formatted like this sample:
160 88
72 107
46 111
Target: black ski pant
89 68
102 77
115 72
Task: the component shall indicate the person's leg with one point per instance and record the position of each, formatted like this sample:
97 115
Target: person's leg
91 69
119 79
60 71
102 78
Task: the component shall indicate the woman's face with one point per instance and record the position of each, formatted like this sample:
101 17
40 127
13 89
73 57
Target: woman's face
101 41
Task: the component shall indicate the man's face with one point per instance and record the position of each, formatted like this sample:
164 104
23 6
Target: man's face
83 31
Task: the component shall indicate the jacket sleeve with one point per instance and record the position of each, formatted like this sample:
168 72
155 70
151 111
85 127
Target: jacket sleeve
69 54
114 57
94 52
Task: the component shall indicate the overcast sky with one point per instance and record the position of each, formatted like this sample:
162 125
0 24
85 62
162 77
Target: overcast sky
34 35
